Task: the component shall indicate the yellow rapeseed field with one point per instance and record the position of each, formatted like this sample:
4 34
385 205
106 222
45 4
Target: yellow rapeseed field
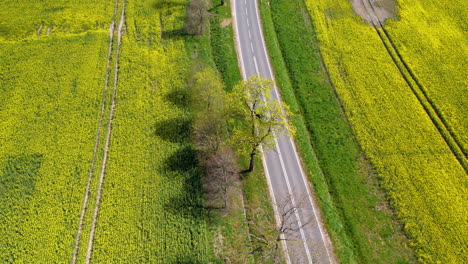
51 94
424 181
431 35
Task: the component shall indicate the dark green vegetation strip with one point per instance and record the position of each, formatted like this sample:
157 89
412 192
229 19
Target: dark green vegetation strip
222 44
17 180
358 218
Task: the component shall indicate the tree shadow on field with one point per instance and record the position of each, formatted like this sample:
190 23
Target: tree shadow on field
183 160
165 4
185 203
182 165
173 130
174 34
180 98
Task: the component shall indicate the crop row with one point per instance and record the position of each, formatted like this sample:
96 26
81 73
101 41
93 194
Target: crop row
422 178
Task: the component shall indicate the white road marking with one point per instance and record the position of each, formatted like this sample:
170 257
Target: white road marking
250 36
292 143
243 71
286 177
310 199
256 65
236 36
275 208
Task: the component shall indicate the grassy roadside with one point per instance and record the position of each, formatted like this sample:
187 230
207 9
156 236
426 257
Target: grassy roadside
229 229
222 44
359 221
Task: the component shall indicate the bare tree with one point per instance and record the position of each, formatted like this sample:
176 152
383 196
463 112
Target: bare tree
196 18
208 134
268 232
221 176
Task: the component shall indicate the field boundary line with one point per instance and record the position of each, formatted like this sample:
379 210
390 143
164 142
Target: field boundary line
84 206
418 89
108 138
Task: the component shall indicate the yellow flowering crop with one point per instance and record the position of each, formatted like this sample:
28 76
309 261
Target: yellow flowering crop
424 181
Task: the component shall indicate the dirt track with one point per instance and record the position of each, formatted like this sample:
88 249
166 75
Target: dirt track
108 137
97 138
382 10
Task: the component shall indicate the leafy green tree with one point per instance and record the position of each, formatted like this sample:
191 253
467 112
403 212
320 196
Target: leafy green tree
207 91
262 119
209 125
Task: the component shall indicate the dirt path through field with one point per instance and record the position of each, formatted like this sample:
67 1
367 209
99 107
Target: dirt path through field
108 137
383 9
84 207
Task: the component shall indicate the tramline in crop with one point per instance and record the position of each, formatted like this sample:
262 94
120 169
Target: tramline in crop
97 139
420 173
50 96
417 88
434 52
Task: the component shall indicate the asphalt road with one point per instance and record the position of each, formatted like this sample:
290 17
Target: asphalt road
306 242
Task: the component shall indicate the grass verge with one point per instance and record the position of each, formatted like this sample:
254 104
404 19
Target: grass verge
222 44
356 213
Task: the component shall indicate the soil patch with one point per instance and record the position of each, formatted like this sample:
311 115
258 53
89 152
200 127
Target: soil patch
40 30
375 12
226 22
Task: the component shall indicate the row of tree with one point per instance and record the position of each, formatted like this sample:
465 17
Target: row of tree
241 121
246 118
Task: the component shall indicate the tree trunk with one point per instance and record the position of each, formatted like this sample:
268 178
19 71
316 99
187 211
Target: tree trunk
251 164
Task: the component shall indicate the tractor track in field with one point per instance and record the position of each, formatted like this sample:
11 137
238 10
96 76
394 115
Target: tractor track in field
98 135
84 206
418 89
108 137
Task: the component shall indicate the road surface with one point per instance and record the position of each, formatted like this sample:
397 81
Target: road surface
307 243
